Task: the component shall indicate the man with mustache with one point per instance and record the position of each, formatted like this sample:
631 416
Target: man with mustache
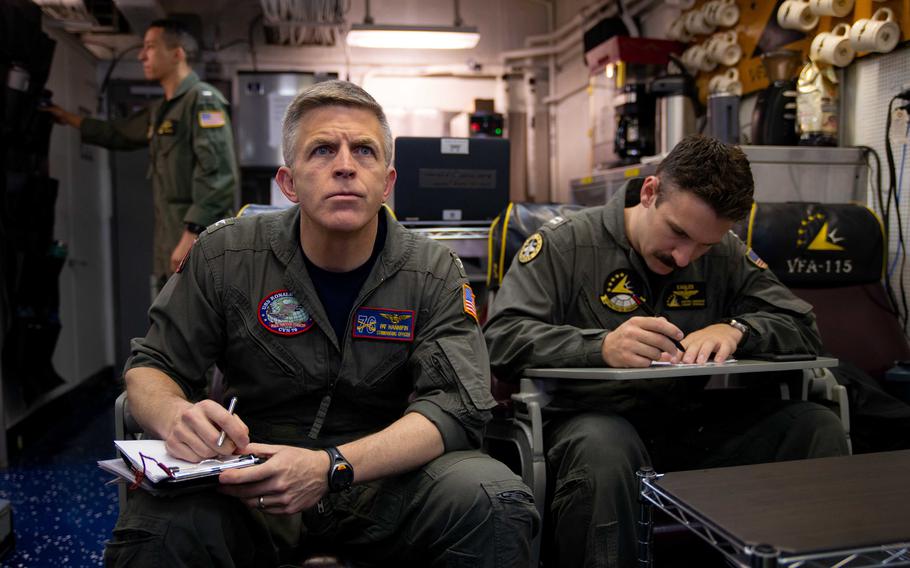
572 300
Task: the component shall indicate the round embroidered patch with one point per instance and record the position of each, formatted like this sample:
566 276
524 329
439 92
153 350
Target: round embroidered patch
531 248
618 290
281 313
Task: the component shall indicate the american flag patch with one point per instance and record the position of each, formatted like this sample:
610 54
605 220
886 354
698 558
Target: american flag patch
469 307
211 118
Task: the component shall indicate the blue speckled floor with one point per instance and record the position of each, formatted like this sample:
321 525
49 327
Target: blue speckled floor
62 514
62 510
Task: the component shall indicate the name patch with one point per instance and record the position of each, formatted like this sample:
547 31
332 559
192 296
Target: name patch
686 296
281 313
384 323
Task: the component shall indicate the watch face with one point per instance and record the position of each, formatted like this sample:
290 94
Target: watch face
342 477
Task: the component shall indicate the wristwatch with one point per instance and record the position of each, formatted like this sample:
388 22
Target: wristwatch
743 328
341 473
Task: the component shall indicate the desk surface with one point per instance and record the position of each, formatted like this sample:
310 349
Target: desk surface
736 367
804 506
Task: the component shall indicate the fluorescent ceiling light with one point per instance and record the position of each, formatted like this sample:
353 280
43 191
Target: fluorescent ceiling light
413 37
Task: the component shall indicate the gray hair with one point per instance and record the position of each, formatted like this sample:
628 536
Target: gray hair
330 93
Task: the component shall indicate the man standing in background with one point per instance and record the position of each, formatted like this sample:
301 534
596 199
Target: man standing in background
191 148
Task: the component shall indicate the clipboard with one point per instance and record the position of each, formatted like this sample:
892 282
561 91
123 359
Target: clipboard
147 464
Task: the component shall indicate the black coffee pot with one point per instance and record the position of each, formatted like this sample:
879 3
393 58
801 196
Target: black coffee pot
774 117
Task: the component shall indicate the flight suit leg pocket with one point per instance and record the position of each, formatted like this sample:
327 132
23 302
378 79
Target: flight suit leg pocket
369 512
515 521
136 541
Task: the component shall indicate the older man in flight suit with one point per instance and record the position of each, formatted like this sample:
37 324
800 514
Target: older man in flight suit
570 301
191 148
361 372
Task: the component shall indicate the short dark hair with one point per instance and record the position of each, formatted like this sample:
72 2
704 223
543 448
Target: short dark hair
716 172
176 34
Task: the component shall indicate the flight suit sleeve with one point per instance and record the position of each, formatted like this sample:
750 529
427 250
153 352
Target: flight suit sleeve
187 326
451 368
127 133
778 321
524 330
215 167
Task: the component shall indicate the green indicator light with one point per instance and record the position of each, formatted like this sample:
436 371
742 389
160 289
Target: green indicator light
499 131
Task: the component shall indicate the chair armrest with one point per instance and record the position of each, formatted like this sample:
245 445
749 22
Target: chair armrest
125 425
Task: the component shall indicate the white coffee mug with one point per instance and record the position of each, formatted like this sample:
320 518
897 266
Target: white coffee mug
727 14
880 33
695 23
678 30
796 15
833 47
836 8
709 11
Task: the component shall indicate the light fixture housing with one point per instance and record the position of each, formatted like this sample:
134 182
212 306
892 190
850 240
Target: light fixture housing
412 37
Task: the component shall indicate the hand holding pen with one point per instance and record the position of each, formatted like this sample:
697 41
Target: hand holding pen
647 309
640 340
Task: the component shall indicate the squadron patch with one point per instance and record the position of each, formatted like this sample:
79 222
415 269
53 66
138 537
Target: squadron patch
384 323
470 307
755 259
281 313
211 119
686 296
531 248
618 290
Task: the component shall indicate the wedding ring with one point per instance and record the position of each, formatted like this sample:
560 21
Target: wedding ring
261 503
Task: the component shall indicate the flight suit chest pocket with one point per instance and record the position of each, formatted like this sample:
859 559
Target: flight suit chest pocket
255 346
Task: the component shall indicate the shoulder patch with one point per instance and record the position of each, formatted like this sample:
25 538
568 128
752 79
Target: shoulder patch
211 118
531 248
470 306
755 259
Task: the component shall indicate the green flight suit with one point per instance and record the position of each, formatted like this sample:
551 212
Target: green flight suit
565 291
191 159
244 299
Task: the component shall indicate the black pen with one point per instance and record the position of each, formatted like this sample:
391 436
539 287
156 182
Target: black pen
651 313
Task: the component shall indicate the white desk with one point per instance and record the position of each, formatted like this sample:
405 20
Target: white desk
670 371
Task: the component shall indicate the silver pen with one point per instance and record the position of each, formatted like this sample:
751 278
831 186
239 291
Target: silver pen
230 410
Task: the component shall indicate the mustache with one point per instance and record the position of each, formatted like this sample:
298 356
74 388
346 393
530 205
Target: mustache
666 260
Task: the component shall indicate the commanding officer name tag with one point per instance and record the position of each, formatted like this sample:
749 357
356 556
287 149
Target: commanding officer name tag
281 313
211 119
384 323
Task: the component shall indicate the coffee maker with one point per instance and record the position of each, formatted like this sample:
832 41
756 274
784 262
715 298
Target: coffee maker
678 109
634 110
774 117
